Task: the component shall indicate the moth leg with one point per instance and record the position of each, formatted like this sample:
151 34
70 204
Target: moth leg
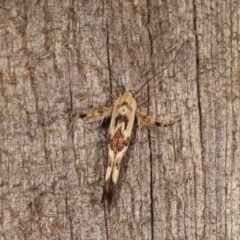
150 122
109 185
102 113
99 113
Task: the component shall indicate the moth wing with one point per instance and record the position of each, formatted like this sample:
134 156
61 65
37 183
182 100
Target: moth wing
120 131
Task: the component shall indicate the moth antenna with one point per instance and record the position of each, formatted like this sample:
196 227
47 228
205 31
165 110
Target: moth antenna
108 59
112 95
159 73
146 99
108 68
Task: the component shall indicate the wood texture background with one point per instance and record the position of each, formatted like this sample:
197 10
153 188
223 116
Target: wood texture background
180 182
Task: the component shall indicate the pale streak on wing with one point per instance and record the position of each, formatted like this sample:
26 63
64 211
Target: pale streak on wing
114 163
117 164
111 158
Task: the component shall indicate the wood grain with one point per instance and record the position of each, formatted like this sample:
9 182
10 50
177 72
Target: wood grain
61 57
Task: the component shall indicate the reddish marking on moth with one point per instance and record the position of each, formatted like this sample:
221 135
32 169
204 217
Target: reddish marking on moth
117 143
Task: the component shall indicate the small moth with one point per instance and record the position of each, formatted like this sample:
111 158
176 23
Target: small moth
123 113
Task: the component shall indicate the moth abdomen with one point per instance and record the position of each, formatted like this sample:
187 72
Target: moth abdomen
108 191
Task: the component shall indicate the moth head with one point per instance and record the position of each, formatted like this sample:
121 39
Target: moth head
126 103
127 98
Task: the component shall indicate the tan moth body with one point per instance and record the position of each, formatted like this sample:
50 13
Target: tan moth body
120 131
123 114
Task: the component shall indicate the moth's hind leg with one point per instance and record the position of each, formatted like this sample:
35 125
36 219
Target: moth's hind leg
103 113
96 114
146 119
166 124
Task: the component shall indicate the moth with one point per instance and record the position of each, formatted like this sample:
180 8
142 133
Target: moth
124 113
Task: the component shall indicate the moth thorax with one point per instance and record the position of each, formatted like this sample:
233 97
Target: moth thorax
127 98
123 110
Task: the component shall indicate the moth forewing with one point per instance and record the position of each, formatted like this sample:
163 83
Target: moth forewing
120 132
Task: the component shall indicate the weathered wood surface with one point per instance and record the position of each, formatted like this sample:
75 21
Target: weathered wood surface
180 182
